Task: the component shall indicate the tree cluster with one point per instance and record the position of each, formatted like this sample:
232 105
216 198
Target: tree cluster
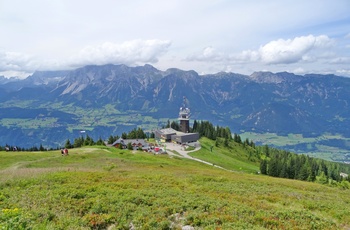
133 134
18 148
284 164
247 142
83 141
174 125
207 129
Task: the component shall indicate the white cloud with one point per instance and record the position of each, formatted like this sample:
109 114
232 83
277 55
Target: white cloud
344 72
299 70
246 56
236 35
130 52
340 60
305 48
13 61
16 74
292 50
207 54
133 52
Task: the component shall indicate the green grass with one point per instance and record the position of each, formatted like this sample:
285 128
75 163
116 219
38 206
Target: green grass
234 158
100 188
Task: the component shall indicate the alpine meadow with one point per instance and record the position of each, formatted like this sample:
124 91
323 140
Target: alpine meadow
100 187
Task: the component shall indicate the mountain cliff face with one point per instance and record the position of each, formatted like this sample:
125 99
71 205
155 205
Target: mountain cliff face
48 107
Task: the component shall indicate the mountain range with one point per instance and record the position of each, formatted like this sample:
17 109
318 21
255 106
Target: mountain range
49 107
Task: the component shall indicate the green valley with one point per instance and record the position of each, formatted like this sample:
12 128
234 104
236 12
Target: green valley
327 146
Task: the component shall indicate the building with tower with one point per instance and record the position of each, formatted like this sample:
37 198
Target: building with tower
182 136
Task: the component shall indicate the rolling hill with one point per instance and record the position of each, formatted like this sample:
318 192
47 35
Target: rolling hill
108 188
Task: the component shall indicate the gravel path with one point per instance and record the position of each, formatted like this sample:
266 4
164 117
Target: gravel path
171 147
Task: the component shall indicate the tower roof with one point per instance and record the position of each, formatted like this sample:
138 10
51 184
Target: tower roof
185 112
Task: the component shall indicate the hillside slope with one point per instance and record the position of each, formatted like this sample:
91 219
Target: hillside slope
99 188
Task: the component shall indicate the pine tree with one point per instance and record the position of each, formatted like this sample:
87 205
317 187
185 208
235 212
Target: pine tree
110 140
235 137
175 125
100 142
195 126
78 142
273 167
263 167
88 141
267 151
68 145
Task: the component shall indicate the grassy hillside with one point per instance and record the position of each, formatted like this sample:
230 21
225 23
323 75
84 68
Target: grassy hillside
99 188
236 158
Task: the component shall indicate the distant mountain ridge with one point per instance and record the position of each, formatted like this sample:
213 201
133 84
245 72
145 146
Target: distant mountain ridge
281 103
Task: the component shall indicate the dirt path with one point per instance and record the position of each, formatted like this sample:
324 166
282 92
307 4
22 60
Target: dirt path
171 147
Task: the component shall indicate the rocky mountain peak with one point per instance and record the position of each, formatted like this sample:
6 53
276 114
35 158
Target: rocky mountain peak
274 78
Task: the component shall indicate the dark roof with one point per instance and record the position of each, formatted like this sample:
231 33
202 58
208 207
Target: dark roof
166 131
120 140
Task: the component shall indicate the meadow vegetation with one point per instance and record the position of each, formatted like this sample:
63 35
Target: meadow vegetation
98 187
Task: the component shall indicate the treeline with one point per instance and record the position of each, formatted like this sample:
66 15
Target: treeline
31 149
133 134
205 129
83 141
88 141
284 164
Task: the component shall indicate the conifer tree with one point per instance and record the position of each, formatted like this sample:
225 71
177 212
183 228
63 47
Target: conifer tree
68 145
263 167
111 140
100 142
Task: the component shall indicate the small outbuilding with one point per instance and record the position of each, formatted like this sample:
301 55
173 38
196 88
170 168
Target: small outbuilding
171 135
182 138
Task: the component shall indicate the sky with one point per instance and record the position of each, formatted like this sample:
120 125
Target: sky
208 36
